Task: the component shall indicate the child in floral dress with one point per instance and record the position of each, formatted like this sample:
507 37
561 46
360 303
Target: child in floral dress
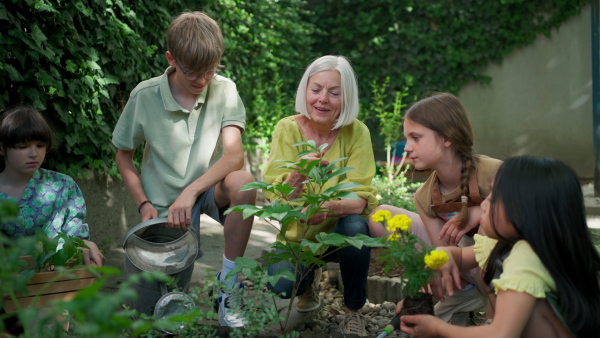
47 199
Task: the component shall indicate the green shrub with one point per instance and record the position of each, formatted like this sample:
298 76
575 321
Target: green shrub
287 209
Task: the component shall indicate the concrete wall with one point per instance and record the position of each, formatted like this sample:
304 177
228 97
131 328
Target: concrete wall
111 209
540 99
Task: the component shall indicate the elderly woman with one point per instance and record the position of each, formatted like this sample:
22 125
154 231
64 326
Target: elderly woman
327 103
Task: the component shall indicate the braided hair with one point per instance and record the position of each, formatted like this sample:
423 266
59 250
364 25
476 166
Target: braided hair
445 114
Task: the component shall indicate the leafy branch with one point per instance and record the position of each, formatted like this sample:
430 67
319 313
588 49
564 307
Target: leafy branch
285 211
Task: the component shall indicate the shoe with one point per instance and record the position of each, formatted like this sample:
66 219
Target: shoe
230 306
354 323
310 299
467 300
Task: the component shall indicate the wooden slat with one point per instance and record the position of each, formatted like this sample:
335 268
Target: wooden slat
43 277
56 287
63 286
40 302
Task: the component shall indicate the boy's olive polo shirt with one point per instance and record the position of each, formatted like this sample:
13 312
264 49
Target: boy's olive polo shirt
181 145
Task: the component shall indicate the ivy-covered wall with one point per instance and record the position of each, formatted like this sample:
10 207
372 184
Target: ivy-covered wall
440 44
78 60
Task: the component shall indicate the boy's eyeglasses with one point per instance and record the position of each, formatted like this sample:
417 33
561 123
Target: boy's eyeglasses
193 77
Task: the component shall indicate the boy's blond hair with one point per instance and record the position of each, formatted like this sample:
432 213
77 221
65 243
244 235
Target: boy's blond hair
195 41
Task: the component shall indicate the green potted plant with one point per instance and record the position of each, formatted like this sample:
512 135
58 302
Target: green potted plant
282 212
51 272
417 259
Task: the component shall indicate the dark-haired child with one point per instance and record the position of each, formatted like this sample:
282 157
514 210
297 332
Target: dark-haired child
540 263
47 199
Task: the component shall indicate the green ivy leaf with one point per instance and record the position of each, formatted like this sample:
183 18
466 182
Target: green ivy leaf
37 35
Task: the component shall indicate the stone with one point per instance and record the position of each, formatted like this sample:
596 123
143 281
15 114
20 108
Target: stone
389 306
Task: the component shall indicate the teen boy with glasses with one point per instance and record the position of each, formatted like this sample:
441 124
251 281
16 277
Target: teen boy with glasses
191 121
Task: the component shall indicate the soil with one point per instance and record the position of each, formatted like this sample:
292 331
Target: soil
378 269
420 304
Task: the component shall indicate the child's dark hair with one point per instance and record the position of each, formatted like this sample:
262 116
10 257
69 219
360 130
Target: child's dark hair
543 201
22 124
445 114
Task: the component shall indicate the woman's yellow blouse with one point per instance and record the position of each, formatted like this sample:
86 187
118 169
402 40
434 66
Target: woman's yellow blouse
353 141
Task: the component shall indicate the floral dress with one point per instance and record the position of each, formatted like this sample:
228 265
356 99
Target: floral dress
51 201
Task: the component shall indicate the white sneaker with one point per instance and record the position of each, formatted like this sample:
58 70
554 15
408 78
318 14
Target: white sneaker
462 301
230 306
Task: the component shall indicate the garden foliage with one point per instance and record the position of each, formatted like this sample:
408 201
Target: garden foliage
407 252
392 183
288 208
78 61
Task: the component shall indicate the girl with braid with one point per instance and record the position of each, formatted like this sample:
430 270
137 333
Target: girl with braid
439 137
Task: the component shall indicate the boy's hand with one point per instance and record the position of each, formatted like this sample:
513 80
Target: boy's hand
180 212
148 212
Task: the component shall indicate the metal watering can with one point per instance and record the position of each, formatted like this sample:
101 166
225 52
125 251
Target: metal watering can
153 247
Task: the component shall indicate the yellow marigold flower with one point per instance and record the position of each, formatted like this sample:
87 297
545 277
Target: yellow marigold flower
381 215
393 237
401 222
436 259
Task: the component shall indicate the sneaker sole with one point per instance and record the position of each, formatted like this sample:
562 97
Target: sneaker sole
309 309
223 322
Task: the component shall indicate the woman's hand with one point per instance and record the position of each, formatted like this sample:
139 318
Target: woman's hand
93 254
321 216
315 157
297 178
310 158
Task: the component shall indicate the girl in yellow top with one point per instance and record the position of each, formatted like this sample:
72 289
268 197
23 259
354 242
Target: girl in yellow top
327 103
539 259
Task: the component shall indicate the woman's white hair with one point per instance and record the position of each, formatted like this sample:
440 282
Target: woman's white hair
349 110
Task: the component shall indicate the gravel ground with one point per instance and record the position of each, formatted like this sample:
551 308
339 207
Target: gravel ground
332 313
